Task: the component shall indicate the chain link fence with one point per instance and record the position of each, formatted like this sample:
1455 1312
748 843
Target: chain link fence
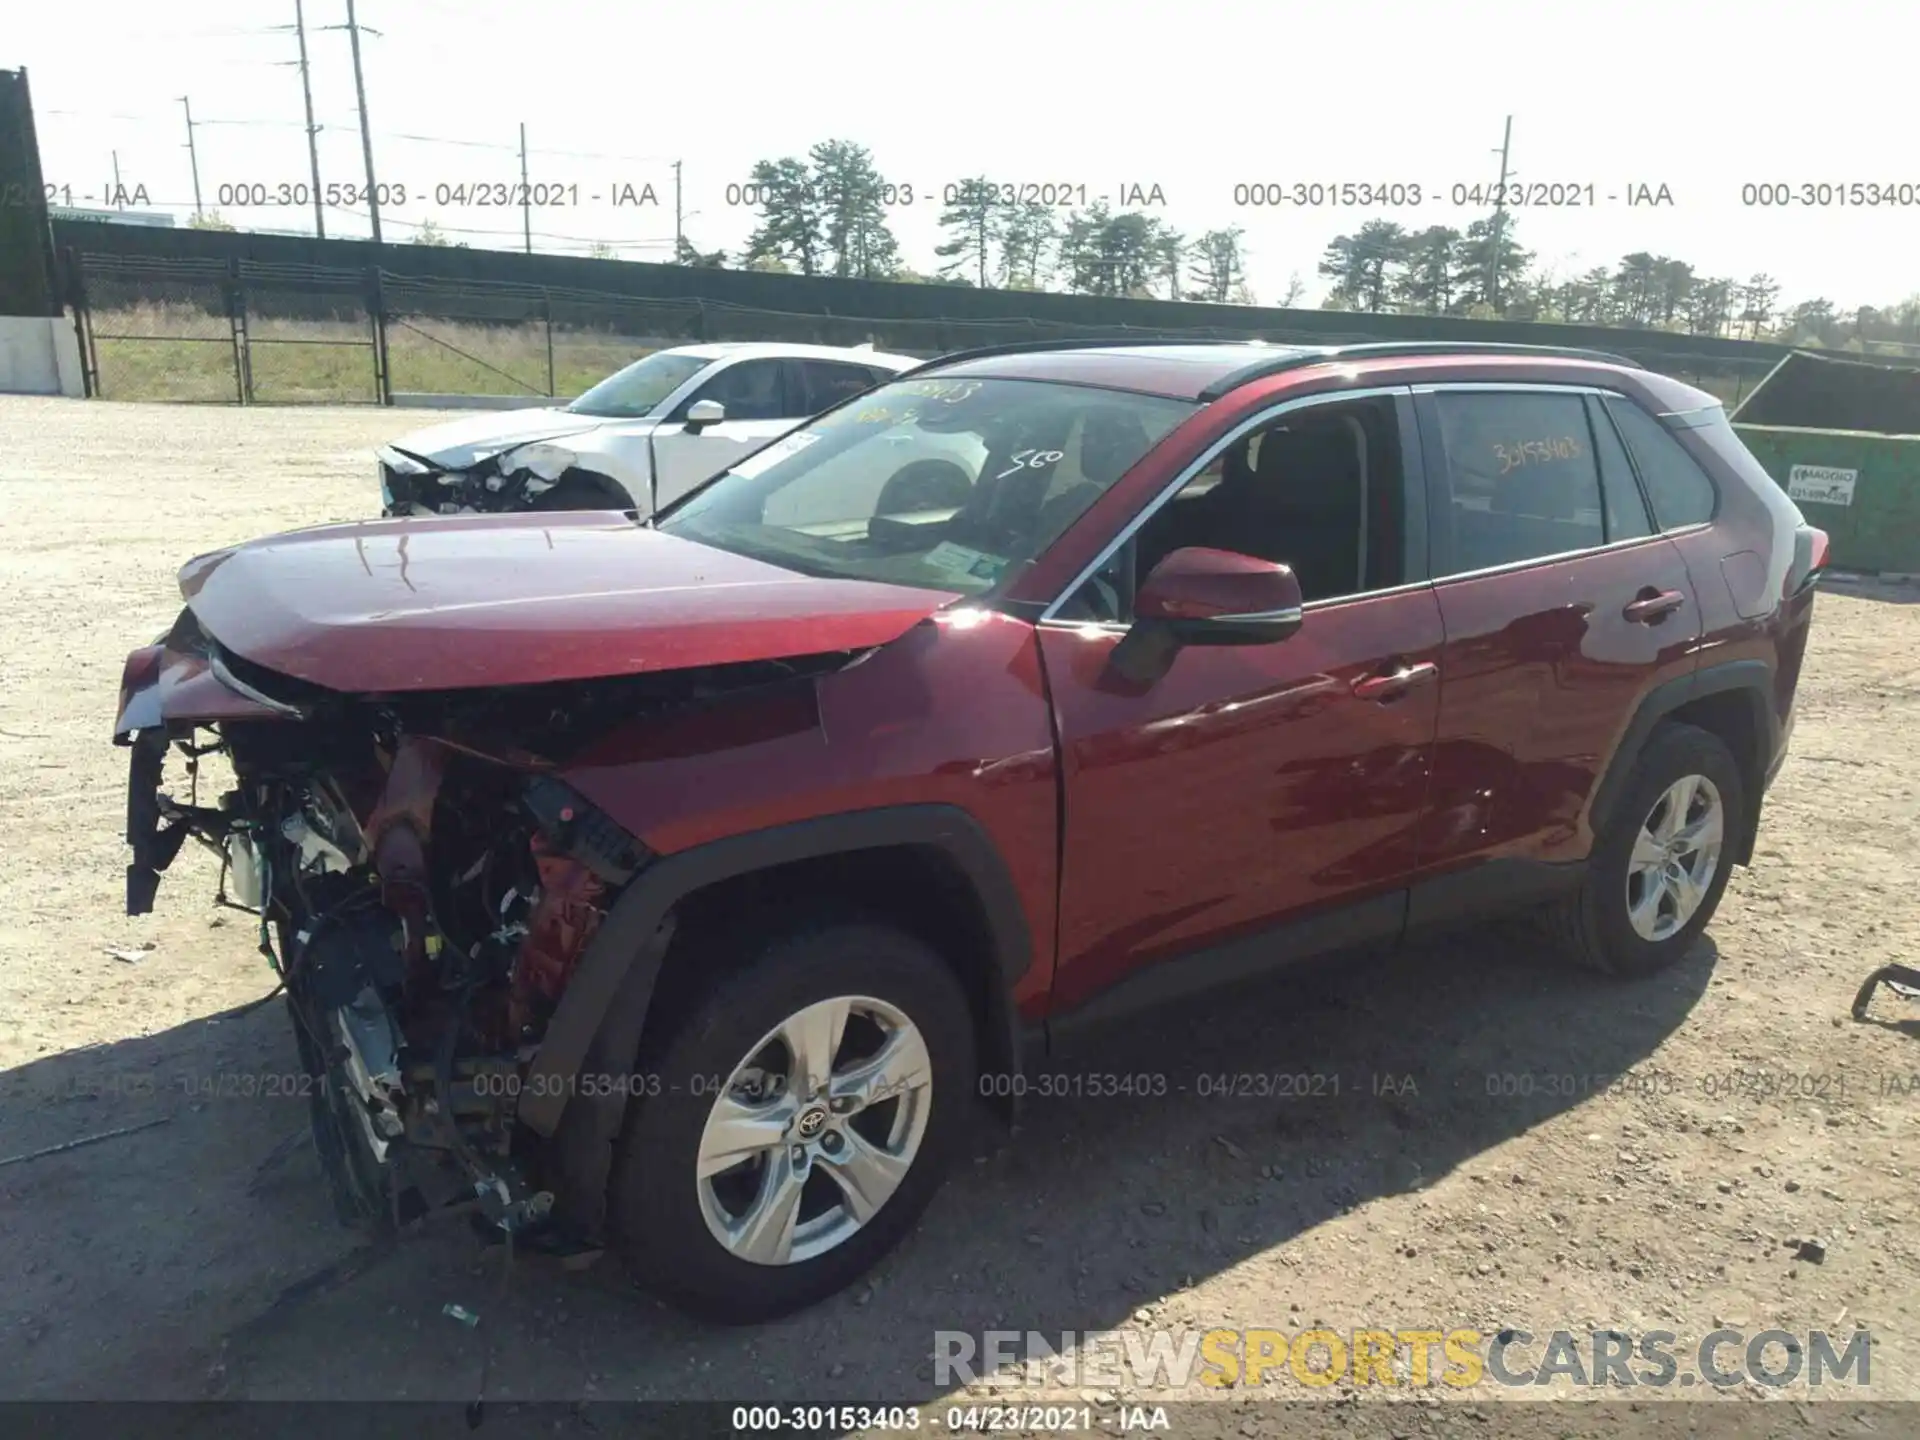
250 332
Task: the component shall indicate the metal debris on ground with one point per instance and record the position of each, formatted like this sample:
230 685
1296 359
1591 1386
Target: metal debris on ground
85 1140
460 1312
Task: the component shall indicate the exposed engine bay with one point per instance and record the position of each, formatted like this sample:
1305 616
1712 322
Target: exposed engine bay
425 886
531 477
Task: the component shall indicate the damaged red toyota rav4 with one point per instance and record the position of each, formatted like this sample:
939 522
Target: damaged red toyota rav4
681 885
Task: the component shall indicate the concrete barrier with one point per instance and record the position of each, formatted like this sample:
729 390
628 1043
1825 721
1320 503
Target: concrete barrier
477 402
39 356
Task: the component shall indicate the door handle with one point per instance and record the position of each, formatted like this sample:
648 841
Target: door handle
1386 688
1653 606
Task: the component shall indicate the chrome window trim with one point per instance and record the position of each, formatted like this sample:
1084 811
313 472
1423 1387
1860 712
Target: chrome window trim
1552 559
1193 468
1292 612
1120 627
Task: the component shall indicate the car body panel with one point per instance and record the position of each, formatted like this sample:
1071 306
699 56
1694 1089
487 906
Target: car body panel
401 605
682 458
1245 787
953 711
162 685
1540 675
456 444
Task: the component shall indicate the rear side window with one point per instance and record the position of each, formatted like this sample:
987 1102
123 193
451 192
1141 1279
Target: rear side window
1679 489
1523 480
1626 509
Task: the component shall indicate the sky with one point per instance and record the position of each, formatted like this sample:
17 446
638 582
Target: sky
1201 99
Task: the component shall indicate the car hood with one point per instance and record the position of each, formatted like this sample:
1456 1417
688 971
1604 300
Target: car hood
472 438
481 600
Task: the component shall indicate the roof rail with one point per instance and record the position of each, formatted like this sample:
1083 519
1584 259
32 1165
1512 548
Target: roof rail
1329 354
1025 347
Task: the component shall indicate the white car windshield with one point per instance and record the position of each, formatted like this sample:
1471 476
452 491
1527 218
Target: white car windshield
941 484
636 391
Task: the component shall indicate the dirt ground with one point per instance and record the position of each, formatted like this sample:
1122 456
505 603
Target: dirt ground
1452 1181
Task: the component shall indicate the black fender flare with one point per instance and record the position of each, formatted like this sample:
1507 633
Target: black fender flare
602 1013
603 1009
1752 680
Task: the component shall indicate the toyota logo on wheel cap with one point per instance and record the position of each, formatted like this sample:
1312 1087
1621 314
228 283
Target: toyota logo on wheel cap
812 1122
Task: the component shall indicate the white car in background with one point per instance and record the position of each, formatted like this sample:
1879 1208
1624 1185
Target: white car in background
638 440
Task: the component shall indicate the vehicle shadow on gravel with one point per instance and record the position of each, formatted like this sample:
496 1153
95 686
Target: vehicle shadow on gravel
1277 1107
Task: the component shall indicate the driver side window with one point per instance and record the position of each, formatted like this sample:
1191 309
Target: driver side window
1318 489
750 389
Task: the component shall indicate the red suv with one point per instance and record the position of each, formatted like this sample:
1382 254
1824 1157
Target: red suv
678 884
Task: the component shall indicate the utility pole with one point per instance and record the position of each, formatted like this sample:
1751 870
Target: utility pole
1499 223
313 130
678 241
366 132
119 195
193 156
526 193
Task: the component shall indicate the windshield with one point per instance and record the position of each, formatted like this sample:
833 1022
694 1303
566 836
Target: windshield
942 484
635 391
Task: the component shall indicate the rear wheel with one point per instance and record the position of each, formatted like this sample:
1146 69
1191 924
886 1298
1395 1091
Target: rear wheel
795 1123
1660 866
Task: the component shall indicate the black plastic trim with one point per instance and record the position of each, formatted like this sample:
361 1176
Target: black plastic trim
1491 887
1753 677
622 943
1364 923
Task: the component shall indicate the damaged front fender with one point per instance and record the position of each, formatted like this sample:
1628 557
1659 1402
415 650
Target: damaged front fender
177 682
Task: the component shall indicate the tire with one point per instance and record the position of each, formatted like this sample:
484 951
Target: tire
661 1213
1594 926
583 490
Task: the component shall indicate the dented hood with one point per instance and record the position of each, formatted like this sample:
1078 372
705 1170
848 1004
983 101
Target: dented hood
481 600
456 444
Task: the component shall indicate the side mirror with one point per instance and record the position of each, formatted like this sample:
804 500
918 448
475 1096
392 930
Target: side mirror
1204 597
703 413
1217 597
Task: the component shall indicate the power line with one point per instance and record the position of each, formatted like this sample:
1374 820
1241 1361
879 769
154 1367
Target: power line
342 124
663 242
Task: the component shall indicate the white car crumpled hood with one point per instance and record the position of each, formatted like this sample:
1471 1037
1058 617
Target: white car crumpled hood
472 438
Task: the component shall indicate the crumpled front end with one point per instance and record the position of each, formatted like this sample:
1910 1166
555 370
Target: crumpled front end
518 478
425 884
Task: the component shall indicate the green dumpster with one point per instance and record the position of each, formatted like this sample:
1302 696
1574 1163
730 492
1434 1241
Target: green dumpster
1842 437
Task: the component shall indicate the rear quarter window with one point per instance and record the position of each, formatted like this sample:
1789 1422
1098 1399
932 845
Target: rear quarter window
1678 489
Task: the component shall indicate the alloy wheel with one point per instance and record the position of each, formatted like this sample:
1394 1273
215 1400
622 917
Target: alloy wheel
815 1128
1675 857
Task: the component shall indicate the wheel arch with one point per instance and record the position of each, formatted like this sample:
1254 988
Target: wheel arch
578 479
604 1011
1728 700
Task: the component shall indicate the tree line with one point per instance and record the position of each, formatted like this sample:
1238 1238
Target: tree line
826 213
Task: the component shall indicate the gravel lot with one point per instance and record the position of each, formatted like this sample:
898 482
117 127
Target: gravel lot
149 1265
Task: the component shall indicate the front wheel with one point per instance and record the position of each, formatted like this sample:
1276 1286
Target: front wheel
796 1122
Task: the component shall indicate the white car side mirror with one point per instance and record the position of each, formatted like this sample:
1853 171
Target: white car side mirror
705 412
